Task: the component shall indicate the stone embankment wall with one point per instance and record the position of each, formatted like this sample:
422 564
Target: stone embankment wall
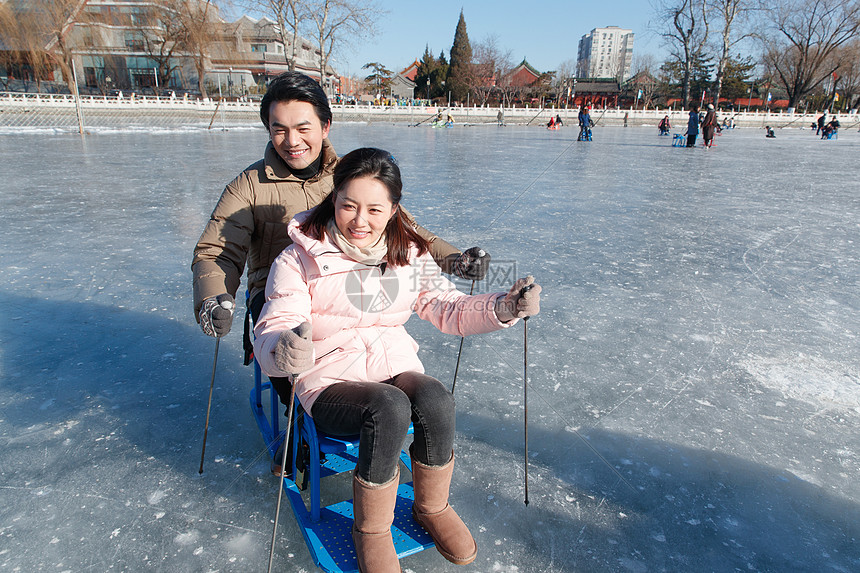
58 111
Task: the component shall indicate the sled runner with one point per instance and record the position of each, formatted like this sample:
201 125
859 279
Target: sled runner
328 530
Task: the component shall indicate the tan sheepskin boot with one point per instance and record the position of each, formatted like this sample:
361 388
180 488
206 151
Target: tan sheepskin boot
373 506
431 510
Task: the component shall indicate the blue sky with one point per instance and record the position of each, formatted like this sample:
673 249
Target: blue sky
546 33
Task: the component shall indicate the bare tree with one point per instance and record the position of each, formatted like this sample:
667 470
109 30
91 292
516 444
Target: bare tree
686 33
291 17
13 42
336 22
8 43
490 64
162 35
849 79
643 62
37 33
59 18
565 79
201 22
803 40
733 16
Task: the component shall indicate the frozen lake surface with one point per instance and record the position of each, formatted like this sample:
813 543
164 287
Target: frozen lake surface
694 395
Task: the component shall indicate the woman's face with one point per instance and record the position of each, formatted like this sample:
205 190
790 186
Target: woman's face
362 210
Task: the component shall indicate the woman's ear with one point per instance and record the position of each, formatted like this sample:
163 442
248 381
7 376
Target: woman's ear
394 211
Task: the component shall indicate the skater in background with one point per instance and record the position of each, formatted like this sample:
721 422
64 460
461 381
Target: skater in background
358 370
770 132
558 121
500 117
664 126
830 129
585 124
249 222
709 125
693 126
822 121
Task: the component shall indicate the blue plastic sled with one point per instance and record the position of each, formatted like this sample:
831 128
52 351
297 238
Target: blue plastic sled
679 140
328 530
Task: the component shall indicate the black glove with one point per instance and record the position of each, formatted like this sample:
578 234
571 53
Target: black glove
294 352
472 265
216 315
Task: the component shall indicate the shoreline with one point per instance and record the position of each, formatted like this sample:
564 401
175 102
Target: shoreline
60 111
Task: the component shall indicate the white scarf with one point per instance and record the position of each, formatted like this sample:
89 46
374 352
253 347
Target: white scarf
371 255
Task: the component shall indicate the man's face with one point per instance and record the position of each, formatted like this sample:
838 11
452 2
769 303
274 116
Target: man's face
296 132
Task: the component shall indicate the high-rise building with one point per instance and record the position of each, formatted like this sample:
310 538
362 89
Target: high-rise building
605 53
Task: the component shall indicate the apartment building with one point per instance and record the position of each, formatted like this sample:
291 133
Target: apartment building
605 53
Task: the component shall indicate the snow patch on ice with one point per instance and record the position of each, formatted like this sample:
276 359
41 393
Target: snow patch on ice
814 380
633 566
156 496
243 544
186 538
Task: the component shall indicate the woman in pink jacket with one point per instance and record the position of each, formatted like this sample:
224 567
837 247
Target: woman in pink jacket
336 303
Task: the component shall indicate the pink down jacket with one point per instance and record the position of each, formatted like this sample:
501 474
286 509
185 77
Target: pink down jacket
358 311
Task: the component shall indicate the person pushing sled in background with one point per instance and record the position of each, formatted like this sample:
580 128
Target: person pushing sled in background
585 124
336 303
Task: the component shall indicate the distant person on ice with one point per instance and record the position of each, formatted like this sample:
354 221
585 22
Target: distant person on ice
693 126
358 369
709 124
249 222
769 131
585 124
830 129
822 121
664 125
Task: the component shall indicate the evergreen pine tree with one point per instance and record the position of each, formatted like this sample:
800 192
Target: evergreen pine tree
459 71
427 72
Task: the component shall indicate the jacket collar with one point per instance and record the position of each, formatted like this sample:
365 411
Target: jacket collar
327 257
277 170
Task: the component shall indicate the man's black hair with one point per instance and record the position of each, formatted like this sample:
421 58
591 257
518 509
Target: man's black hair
295 86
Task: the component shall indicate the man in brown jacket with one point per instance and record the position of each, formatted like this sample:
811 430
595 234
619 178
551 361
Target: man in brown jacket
249 223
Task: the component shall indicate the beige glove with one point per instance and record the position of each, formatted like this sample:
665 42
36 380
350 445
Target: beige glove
294 351
519 304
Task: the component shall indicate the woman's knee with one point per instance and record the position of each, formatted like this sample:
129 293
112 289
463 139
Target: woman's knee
430 398
391 409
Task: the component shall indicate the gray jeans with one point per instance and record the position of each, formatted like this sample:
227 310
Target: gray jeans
380 413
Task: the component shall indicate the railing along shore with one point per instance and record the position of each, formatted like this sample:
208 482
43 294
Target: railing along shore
59 111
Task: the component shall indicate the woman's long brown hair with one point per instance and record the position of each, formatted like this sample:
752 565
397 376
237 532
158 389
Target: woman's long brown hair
400 233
